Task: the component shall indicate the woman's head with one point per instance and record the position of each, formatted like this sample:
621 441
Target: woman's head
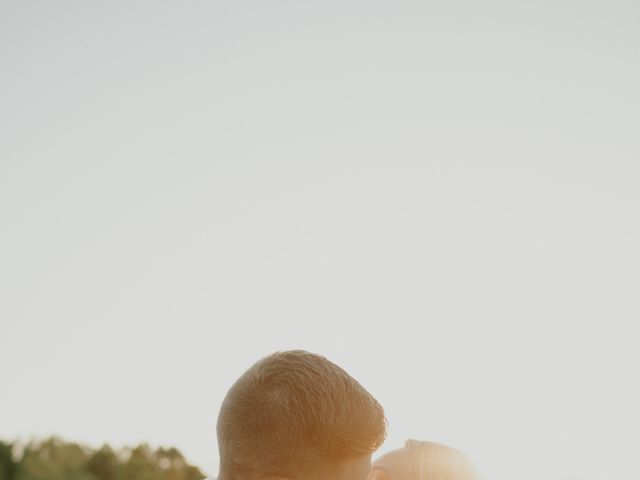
424 461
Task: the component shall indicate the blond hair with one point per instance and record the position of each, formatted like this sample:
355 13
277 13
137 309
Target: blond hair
434 461
292 411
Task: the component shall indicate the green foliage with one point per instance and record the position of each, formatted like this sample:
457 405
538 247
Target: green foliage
103 463
54 459
7 463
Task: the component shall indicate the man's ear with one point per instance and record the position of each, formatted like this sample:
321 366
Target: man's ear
379 473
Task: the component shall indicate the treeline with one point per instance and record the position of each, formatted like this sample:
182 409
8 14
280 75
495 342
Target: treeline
54 459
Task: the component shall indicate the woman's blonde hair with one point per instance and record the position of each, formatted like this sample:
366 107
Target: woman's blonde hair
434 461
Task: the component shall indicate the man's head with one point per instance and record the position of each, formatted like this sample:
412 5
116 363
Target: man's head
296 415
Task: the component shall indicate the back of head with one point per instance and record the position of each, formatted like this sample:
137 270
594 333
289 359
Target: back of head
293 412
434 461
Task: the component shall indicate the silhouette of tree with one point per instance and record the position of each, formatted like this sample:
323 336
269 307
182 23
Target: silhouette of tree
54 459
7 463
103 463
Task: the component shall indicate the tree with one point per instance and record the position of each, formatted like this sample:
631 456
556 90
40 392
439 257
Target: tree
7 463
103 463
54 459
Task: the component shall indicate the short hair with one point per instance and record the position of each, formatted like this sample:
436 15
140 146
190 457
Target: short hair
435 461
294 411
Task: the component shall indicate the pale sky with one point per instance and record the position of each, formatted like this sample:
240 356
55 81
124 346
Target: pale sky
441 197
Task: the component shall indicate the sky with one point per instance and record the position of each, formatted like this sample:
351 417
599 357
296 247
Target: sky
440 197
